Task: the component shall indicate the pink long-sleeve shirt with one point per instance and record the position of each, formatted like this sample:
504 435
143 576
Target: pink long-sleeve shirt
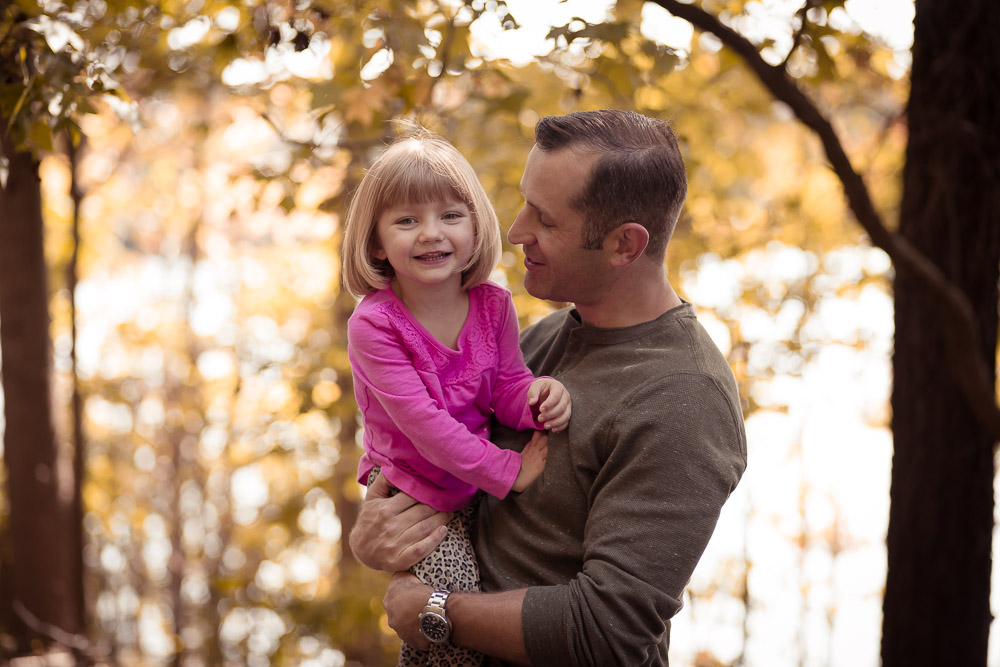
427 408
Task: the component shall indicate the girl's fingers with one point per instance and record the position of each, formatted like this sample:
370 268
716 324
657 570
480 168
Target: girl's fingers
557 425
551 409
552 403
538 439
556 420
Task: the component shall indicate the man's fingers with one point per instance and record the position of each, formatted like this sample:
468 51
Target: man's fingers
396 504
420 529
419 550
420 521
388 526
401 511
403 600
379 488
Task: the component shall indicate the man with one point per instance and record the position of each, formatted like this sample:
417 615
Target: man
588 565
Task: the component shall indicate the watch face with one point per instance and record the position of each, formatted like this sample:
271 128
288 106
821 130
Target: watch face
434 628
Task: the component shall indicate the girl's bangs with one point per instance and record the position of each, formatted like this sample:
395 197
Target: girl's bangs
419 183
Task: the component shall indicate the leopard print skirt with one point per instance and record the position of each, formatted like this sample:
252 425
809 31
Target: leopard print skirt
451 566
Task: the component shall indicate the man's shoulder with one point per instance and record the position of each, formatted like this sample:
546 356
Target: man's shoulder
673 355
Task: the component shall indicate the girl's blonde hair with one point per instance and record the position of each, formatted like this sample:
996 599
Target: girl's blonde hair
418 168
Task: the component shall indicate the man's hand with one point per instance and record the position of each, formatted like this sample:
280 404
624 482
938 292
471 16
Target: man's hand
392 534
488 623
405 598
555 407
532 461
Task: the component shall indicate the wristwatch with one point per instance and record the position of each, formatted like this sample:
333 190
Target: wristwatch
434 623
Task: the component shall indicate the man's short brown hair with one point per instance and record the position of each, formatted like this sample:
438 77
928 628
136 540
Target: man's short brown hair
638 177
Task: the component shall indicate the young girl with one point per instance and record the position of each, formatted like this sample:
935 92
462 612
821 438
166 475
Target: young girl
434 351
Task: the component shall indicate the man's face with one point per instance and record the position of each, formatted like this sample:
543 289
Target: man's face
551 232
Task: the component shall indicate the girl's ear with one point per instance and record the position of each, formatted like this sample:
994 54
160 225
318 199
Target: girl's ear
376 250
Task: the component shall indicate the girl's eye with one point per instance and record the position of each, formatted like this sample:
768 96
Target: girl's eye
406 221
452 216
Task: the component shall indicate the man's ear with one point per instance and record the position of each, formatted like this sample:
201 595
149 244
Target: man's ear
627 243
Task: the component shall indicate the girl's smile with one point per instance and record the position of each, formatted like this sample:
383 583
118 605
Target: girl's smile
434 256
428 244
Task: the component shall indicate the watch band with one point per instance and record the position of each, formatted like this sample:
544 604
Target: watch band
437 601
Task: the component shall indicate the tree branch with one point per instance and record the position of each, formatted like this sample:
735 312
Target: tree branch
803 15
443 54
76 642
963 340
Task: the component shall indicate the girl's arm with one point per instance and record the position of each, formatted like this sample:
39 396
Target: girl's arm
532 461
510 388
383 364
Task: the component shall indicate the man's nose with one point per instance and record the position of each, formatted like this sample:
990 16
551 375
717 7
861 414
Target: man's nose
518 234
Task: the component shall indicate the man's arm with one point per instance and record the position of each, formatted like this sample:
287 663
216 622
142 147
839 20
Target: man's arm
655 503
668 460
392 534
486 622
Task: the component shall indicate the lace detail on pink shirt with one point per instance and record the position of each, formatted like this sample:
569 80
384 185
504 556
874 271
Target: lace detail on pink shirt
478 347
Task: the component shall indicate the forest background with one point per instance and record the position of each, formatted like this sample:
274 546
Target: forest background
180 434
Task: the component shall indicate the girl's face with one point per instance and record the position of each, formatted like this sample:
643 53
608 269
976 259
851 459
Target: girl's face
427 244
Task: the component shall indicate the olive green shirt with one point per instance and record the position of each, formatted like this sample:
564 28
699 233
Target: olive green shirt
607 538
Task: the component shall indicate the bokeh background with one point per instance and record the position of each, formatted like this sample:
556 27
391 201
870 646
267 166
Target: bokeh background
195 162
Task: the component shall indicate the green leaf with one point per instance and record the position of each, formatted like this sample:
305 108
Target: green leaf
827 66
606 32
40 135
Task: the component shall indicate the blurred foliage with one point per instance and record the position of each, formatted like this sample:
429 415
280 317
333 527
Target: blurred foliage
222 142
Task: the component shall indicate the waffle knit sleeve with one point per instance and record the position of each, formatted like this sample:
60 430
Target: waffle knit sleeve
653 507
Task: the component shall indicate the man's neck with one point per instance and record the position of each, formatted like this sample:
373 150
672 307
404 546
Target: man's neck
638 296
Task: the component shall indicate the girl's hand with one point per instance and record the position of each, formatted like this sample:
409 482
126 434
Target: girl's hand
532 461
556 406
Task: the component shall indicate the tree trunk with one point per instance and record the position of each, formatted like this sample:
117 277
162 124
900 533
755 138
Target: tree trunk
76 401
38 484
936 606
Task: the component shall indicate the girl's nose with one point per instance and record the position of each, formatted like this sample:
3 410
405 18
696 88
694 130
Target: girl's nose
430 232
